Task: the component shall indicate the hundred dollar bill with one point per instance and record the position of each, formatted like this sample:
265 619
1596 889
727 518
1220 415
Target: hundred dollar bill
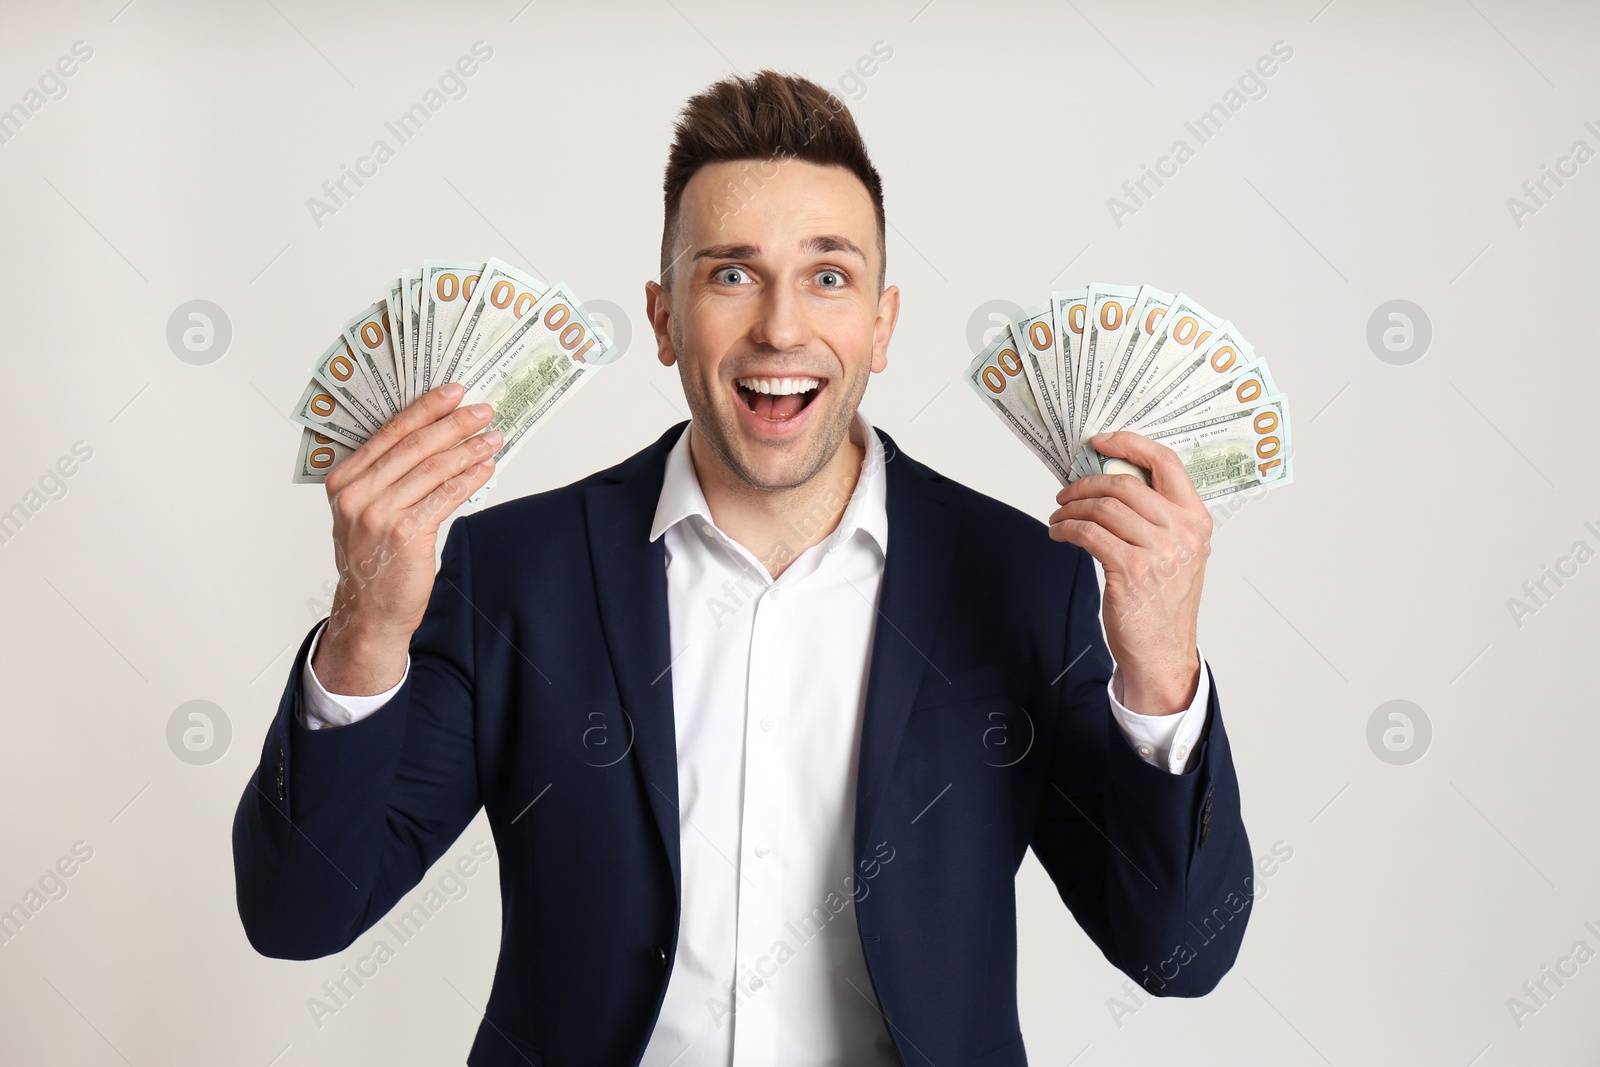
536 366
1247 384
1071 309
321 411
1034 330
395 300
318 455
998 377
342 375
411 313
1224 353
1132 358
1245 448
368 335
447 285
504 294
1104 320
1185 330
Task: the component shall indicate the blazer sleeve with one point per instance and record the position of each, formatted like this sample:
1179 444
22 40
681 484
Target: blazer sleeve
337 824
1155 866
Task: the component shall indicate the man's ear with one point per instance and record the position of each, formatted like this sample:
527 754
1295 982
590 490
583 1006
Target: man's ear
883 327
658 305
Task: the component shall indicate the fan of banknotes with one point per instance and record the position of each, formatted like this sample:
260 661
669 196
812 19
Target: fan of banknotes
1132 357
511 341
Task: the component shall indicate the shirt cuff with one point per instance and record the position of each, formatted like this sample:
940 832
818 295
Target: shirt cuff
323 709
1163 740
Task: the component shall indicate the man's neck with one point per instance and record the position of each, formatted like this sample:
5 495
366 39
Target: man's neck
777 525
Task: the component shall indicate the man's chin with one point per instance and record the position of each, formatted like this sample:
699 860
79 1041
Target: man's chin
775 461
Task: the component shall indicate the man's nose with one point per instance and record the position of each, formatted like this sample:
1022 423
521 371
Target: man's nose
781 322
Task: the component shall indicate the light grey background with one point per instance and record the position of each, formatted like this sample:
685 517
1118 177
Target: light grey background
179 563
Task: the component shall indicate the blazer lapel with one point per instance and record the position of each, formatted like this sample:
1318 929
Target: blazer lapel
922 538
630 577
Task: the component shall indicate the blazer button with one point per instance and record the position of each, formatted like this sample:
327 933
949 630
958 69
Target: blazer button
659 955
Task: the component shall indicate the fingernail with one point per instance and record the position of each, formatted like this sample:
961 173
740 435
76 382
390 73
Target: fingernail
452 390
488 462
482 411
493 438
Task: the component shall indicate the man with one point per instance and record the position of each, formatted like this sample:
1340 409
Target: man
766 716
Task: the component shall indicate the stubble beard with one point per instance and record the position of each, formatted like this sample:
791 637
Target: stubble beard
712 424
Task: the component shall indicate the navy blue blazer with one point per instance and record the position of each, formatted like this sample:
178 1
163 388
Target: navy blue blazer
543 657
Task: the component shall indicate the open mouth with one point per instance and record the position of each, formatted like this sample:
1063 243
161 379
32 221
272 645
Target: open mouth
778 399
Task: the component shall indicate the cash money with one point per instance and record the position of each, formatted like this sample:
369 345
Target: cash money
395 301
447 285
1135 357
535 366
410 324
1072 308
320 410
318 455
503 295
1034 332
342 376
1135 353
512 341
367 336
998 377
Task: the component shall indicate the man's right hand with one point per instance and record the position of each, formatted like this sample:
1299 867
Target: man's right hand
388 499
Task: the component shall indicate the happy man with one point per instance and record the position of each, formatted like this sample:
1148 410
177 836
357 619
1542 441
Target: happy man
766 716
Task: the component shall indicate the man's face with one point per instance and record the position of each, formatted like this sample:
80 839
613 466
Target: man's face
774 317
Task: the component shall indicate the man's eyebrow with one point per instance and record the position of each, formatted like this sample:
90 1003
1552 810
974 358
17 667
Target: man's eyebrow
728 252
832 242
827 242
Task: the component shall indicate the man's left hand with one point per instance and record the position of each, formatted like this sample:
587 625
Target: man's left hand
1153 541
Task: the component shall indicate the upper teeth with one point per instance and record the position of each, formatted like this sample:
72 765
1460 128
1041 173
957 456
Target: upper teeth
778 386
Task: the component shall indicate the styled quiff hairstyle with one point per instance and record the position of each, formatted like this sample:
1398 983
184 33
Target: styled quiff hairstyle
768 116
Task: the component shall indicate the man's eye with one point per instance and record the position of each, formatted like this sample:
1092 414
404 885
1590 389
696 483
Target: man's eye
729 275
831 279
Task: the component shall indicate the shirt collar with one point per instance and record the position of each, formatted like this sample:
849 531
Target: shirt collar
682 498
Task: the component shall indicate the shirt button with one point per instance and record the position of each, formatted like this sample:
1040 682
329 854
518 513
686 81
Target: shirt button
756 982
1146 751
766 724
773 594
708 529
762 851
1181 751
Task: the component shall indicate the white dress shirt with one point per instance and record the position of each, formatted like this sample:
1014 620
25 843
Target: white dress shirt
769 680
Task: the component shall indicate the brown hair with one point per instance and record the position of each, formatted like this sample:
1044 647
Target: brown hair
768 116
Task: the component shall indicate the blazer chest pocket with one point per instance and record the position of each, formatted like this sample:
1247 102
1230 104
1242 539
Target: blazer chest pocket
961 687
